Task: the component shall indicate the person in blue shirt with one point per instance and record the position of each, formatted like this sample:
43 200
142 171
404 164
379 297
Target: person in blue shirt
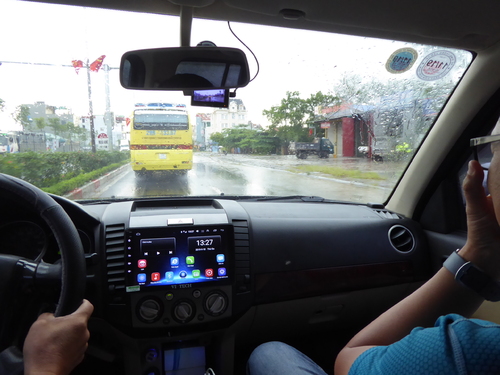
429 331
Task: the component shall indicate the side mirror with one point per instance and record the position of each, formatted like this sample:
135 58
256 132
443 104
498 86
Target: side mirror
184 68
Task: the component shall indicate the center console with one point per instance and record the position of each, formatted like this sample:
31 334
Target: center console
178 275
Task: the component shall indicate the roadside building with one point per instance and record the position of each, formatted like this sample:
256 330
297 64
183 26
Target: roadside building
42 110
203 125
227 118
349 127
102 138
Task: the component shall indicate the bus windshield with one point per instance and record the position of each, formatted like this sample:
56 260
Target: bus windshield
160 120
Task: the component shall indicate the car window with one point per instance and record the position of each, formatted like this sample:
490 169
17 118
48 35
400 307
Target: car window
326 115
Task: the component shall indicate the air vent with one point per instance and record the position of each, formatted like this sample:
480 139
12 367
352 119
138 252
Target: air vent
242 255
401 239
386 214
115 257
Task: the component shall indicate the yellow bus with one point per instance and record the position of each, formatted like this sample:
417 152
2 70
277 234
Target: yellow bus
161 138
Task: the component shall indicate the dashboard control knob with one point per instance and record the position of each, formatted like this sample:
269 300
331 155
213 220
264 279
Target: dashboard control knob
215 303
149 310
151 355
183 312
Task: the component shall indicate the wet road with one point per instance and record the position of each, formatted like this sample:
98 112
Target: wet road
216 174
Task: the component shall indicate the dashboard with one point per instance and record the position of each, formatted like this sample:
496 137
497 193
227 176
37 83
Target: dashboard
195 278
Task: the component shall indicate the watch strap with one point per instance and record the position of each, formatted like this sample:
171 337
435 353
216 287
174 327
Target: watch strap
454 262
474 278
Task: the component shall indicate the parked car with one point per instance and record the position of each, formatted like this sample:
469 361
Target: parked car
244 248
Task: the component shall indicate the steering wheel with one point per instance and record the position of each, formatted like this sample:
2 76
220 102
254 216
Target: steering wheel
18 274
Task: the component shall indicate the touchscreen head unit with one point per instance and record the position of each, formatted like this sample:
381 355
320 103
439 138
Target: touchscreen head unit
171 256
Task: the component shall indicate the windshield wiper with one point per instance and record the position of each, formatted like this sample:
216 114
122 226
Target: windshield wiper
304 198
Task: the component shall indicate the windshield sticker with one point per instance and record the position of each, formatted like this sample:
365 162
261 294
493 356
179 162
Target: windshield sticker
401 60
436 65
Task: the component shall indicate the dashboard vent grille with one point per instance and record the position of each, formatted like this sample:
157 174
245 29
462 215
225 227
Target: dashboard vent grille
242 255
401 239
115 257
386 214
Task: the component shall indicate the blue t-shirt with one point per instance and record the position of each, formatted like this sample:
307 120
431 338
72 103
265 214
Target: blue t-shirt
455 346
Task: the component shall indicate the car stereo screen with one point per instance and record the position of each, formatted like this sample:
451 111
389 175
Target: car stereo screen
166 256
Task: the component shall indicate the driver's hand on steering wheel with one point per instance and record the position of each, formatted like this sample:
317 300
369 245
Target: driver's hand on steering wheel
55 346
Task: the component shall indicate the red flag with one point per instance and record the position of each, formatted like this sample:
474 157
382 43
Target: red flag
77 64
96 65
127 121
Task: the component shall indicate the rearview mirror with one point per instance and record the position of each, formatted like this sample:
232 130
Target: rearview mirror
184 68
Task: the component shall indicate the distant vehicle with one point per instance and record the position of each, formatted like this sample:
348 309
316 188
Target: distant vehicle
8 143
322 147
124 145
161 138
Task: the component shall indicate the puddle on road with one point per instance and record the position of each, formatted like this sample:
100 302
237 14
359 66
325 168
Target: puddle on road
389 171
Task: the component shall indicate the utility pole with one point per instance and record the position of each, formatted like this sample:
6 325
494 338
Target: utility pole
108 116
91 109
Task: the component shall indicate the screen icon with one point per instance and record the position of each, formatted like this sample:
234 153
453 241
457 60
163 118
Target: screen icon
222 271
169 276
196 273
209 272
174 261
155 276
221 258
183 274
189 260
142 263
141 278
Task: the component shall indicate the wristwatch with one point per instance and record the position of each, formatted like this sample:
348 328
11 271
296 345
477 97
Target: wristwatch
472 277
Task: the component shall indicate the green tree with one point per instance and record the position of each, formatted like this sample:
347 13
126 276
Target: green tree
72 132
314 104
217 138
40 124
249 141
22 116
291 119
82 134
2 105
288 119
57 126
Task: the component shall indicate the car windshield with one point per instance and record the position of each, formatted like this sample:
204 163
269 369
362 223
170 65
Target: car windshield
334 116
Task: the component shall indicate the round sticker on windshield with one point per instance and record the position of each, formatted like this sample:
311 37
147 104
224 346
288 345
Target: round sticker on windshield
401 60
436 65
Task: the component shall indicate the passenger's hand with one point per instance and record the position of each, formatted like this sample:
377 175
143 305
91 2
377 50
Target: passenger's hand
483 231
55 346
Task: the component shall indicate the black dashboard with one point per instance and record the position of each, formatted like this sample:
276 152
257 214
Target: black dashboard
203 274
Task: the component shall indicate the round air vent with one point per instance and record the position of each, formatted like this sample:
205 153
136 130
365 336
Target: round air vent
401 238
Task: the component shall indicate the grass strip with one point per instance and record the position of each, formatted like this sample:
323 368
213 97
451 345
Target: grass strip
337 172
65 187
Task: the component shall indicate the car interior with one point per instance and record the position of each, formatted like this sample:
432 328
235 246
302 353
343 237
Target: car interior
307 271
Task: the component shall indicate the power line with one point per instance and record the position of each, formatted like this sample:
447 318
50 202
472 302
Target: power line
47 64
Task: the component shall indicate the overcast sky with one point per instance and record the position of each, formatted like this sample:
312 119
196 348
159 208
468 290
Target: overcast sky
290 60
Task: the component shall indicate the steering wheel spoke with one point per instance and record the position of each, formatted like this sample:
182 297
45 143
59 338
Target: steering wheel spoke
11 277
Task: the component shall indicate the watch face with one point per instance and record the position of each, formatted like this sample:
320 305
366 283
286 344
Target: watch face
475 279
